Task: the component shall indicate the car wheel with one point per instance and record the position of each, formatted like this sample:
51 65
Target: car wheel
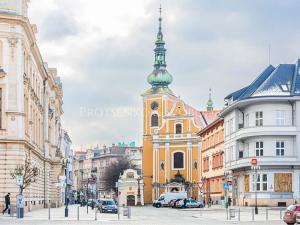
158 205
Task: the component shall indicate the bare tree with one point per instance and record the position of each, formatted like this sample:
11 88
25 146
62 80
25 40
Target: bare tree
113 171
27 171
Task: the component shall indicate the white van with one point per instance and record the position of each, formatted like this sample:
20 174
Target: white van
166 197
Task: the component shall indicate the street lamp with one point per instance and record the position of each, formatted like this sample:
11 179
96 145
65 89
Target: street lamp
65 163
139 192
255 167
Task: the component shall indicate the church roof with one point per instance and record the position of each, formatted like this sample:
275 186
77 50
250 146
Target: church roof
158 90
202 118
284 80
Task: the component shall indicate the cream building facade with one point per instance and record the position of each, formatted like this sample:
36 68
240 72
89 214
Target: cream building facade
30 109
131 188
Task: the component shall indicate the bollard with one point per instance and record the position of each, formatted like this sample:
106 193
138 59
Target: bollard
226 213
252 214
129 212
11 211
78 213
95 214
267 214
280 213
49 215
239 215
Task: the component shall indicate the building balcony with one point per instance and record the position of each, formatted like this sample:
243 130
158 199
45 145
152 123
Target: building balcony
244 133
263 161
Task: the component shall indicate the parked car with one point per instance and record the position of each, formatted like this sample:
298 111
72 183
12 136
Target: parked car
174 202
91 202
290 214
189 203
165 198
107 206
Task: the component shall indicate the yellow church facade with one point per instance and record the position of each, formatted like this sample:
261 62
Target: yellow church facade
171 146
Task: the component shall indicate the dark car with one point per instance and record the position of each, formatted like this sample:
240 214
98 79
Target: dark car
107 206
290 214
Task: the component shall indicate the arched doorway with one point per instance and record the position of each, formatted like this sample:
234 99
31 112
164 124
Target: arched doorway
130 200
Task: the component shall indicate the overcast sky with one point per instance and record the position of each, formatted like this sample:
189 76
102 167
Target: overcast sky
103 50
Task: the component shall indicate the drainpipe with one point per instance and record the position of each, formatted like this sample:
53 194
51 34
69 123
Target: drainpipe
44 136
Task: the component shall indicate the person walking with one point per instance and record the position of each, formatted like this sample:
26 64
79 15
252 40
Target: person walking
7 203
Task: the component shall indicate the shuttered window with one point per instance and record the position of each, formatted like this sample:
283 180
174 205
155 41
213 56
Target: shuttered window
246 183
283 182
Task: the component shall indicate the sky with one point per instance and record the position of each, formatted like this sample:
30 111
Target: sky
103 51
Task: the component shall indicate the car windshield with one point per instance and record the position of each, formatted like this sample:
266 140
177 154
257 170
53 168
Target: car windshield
291 208
108 203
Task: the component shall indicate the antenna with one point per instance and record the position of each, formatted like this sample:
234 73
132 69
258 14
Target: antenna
269 54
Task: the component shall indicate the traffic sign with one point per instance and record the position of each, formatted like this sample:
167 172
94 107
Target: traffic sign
200 184
225 185
91 181
229 182
254 162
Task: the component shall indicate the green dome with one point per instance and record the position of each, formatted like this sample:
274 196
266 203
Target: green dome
160 77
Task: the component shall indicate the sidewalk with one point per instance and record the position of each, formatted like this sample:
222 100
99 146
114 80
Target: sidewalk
59 214
245 214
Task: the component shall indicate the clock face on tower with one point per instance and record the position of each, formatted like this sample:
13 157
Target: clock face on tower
154 105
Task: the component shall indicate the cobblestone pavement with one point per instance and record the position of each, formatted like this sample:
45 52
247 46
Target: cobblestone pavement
143 215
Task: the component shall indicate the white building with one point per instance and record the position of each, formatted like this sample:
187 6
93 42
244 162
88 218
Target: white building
130 188
262 121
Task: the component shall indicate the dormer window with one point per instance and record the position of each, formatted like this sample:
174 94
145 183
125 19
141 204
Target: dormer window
154 120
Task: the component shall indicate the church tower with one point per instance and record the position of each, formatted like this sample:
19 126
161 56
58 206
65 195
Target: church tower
171 147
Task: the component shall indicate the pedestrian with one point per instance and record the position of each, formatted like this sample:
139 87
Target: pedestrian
229 201
209 201
7 203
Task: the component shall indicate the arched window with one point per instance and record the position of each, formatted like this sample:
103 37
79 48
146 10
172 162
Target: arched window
178 160
154 120
178 128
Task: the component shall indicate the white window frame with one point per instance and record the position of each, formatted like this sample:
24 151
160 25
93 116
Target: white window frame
260 182
280 118
280 150
259 118
259 150
173 160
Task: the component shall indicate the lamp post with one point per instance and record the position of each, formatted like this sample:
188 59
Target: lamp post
65 163
255 167
139 192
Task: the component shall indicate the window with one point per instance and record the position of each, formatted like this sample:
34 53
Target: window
154 120
259 119
280 117
231 126
178 160
259 147
262 182
130 175
280 148
178 128
247 120
241 154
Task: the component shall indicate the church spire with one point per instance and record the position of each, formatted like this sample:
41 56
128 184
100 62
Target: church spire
210 102
160 51
160 77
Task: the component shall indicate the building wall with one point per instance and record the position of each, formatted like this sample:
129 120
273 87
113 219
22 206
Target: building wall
27 126
281 172
160 143
213 160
